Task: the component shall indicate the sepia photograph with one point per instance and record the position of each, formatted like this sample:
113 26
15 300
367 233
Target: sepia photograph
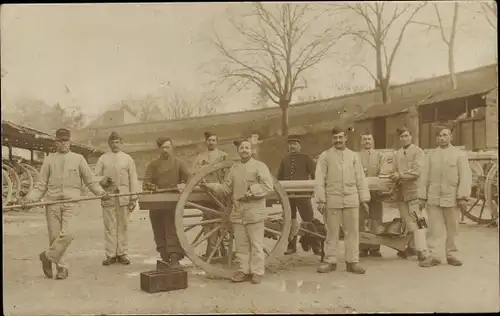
250 158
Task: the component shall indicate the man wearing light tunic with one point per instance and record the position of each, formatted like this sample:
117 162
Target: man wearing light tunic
120 168
340 189
445 184
249 181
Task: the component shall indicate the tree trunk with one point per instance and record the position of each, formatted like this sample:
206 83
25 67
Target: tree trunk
413 124
384 89
451 68
284 118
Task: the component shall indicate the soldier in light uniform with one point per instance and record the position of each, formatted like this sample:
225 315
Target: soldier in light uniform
120 168
249 181
164 173
60 178
372 162
407 169
446 183
341 188
212 155
297 166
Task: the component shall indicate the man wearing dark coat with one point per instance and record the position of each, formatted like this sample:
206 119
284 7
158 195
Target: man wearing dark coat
297 166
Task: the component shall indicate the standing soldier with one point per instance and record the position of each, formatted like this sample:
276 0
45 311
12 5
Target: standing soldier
249 182
163 173
372 162
446 183
297 166
341 188
120 168
406 171
60 178
211 156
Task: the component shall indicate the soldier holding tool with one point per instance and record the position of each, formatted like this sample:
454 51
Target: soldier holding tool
211 156
297 166
166 172
249 182
60 178
446 183
120 176
340 189
372 163
406 171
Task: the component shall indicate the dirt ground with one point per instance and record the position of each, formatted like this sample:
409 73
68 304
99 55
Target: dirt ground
390 285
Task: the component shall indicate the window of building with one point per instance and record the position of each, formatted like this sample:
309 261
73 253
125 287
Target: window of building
427 114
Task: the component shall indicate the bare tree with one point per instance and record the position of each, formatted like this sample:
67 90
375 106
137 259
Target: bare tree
277 46
448 40
379 20
261 99
176 105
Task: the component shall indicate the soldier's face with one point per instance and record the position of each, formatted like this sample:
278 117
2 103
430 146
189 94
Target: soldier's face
444 138
294 147
211 142
62 146
339 140
115 145
367 141
167 148
245 150
405 138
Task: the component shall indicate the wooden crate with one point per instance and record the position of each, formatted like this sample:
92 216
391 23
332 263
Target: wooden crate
163 280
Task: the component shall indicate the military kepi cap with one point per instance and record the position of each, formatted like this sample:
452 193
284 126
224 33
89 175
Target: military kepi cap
63 134
402 130
293 138
442 126
114 136
162 140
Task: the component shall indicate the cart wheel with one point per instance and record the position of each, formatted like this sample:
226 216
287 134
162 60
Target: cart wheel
6 188
14 178
33 171
26 180
491 192
477 207
195 223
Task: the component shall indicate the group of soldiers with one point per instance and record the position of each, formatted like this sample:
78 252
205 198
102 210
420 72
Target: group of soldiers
439 181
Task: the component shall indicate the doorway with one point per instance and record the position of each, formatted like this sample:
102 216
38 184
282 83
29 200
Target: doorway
379 133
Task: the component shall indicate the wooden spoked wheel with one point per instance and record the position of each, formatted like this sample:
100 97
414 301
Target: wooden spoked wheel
14 178
26 180
6 188
491 192
202 215
478 210
33 171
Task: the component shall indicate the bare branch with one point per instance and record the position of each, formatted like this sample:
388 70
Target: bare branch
367 70
441 28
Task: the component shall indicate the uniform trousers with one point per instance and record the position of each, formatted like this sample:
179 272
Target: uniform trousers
376 213
442 231
163 224
115 230
59 220
349 219
406 211
249 247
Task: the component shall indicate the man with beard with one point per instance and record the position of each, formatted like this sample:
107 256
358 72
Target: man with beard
118 168
297 166
446 183
60 178
372 162
163 173
211 156
406 171
341 188
248 182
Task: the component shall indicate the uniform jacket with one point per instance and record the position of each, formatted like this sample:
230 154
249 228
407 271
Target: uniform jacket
120 167
408 162
252 177
340 179
372 161
296 166
446 177
61 178
206 158
166 172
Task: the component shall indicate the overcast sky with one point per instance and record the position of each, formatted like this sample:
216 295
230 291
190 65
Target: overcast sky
107 52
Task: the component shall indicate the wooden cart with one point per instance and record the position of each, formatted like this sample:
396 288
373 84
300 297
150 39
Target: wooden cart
196 220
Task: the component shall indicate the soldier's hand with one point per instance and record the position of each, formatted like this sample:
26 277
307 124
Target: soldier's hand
365 207
421 204
395 176
105 196
131 205
321 208
24 205
462 203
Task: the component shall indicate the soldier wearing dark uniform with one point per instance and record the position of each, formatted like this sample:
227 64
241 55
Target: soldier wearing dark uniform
297 166
166 172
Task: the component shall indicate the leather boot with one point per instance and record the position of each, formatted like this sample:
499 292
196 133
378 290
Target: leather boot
46 265
62 273
327 267
354 268
123 259
174 261
453 261
108 261
292 246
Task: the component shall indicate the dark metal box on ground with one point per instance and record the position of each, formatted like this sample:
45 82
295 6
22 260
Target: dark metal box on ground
163 280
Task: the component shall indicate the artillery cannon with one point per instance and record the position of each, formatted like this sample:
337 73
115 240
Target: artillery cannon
17 179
